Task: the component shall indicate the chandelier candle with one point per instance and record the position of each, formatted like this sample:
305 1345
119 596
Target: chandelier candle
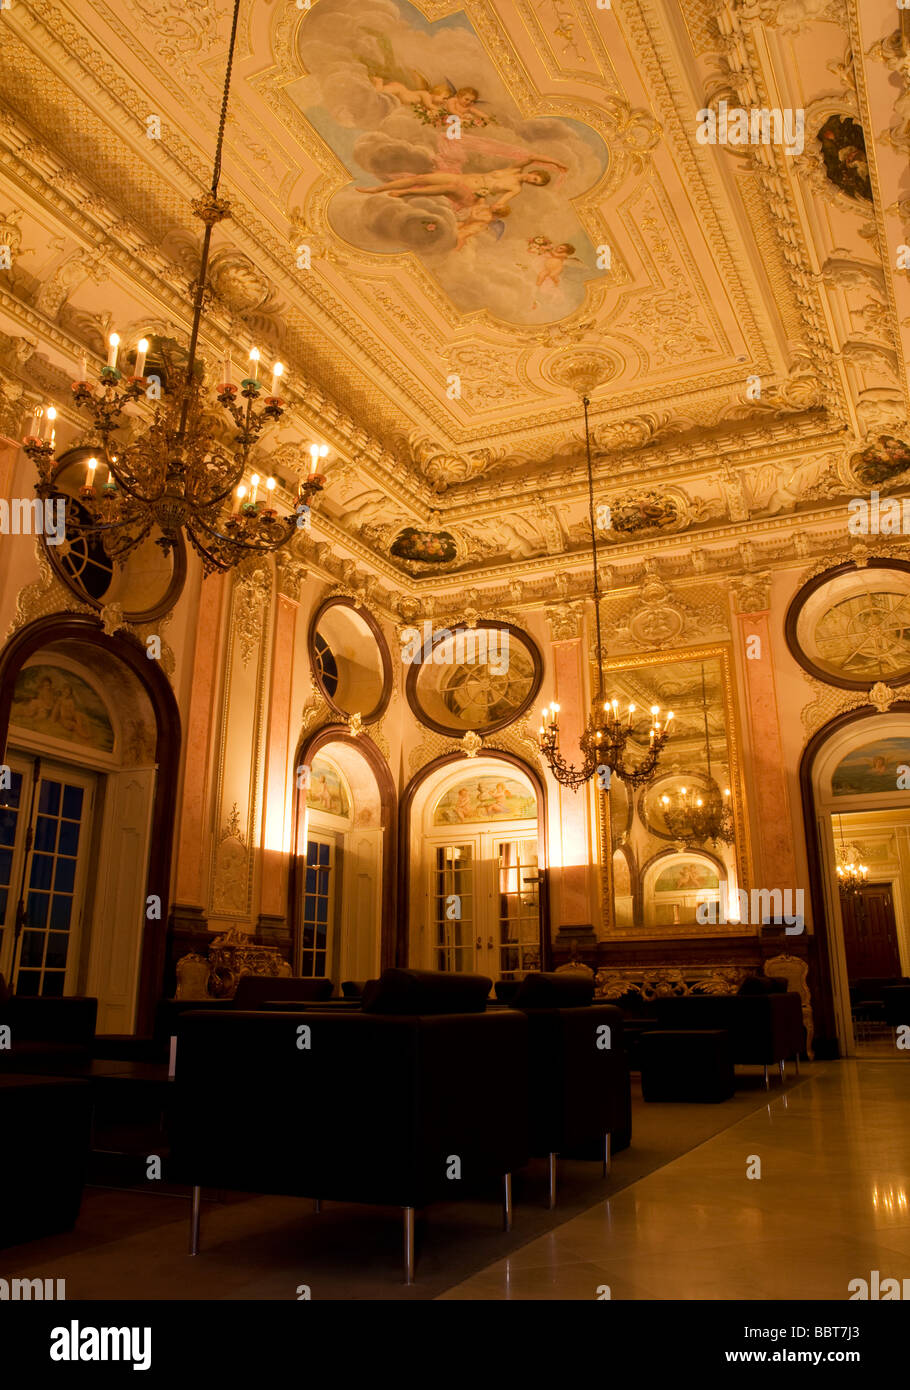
113 343
87 491
142 348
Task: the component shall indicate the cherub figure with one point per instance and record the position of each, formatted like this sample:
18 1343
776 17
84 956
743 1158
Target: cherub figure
481 217
553 261
433 104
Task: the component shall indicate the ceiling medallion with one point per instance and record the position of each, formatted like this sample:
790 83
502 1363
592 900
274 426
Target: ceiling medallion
177 475
582 371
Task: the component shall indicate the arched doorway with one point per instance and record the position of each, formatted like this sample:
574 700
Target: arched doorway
474 861
342 883
854 795
91 736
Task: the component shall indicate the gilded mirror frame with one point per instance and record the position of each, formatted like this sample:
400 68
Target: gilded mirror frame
723 653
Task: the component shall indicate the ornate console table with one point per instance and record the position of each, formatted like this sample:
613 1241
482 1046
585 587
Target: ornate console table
229 958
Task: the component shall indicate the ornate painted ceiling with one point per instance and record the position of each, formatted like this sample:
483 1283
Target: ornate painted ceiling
449 219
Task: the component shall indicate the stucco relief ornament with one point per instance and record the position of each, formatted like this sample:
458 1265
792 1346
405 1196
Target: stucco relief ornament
355 725
882 697
752 593
564 621
112 619
472 744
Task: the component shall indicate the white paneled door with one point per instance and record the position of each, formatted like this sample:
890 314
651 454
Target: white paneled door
45 832
484 904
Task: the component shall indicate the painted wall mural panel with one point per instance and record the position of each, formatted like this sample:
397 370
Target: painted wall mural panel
871 768
52 701
442 162
327 790
484 799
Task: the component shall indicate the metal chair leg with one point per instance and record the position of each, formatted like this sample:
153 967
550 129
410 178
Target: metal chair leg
507 1201
317 1205
607 1155
767 1082
194 1220
782 1065
409 1245
797 1064
552 1176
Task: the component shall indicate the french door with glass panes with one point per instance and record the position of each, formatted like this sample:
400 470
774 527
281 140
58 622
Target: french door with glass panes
484 904
45 834
316 910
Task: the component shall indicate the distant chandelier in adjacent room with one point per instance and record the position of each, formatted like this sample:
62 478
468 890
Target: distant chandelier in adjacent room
695 815
851 875
177 474
607 732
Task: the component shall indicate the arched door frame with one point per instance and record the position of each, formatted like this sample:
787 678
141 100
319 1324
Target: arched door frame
826 1042
363 744
404 839
87 630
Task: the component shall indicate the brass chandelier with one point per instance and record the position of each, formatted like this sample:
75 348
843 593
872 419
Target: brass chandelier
851 875
693 815
180 472
607 732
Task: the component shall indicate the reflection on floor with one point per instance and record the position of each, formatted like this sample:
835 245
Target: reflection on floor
831 1205
873 1039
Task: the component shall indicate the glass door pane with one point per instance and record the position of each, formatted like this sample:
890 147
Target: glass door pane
518 934
452 907
317 907
53 886
10 817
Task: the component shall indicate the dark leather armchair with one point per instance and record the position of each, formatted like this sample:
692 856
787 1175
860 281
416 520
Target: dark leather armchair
402 1104
50 1037
578 1072
763 1028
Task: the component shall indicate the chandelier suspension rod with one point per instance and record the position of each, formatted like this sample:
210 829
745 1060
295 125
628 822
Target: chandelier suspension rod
199 301
704 705
600 663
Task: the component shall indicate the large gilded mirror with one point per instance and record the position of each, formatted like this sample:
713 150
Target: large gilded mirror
673 844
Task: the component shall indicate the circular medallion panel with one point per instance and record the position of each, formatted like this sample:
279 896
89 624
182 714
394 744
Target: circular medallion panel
852 628
145 587
471 679
350 660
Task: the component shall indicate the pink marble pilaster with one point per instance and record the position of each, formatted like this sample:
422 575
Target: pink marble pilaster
770 817
189 882
571 900
278 756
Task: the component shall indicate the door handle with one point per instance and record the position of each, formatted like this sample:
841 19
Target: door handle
479 943
489 943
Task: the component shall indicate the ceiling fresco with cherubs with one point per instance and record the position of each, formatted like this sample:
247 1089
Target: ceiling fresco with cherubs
450 220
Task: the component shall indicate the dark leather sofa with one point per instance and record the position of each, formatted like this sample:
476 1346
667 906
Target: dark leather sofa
45 1123
764 1028
49 1037
579 1088
420 1097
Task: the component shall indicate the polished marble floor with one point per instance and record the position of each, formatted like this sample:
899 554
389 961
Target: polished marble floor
830 1206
